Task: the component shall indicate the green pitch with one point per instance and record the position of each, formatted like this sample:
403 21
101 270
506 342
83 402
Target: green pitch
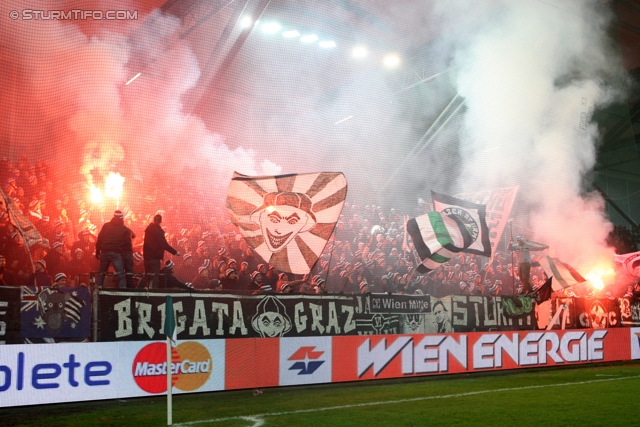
600 395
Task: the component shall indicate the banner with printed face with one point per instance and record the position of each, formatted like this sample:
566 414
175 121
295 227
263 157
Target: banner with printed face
287 219
55 312
139 316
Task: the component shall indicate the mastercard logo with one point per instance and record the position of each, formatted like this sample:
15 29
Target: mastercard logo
191 366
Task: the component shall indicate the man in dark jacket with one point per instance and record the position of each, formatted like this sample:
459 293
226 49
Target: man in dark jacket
113 237
153 250
168 280
6 276
40 276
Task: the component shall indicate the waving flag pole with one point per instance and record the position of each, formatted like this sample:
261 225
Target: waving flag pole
170 332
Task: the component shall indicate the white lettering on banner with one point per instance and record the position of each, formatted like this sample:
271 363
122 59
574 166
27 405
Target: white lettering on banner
221 310
3 324
536 348
333 320
477 300
238 322
380 356
316 317
146 369
180 320
350 324
431 354
611 320
437 349
228 318
199 319
459 313
144 317
125 326
299 319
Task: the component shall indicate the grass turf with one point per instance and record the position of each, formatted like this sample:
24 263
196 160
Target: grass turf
596 395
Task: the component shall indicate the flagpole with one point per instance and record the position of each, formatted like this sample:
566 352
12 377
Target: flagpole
169 331
513 263
169 385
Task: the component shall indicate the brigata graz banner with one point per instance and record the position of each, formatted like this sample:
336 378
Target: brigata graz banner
134 315
139 316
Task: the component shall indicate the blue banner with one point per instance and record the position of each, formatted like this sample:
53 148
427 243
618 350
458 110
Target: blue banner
55 312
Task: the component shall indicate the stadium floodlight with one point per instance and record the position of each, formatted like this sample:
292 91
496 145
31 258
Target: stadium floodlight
271 27
290 34
309 38
326 44
359 52
391 60
246 22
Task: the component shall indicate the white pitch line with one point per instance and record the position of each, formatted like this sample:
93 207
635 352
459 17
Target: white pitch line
258 417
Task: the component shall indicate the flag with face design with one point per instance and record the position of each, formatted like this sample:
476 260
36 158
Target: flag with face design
287 219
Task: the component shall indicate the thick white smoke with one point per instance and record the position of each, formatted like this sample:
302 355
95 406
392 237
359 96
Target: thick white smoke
530 72
531 77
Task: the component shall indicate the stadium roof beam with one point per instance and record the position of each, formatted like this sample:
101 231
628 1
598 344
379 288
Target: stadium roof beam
194 13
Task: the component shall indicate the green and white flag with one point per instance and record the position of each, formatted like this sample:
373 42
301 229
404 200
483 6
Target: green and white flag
170 321
565 275
454 226
436 238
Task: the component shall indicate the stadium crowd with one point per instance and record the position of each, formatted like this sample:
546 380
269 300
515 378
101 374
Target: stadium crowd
368 251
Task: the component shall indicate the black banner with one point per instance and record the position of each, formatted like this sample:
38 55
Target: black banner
629 311
10 315
400 304
134 315
597 313
492 313
139 316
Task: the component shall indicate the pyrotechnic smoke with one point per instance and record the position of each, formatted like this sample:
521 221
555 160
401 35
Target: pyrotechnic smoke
530 73
531 78
70 103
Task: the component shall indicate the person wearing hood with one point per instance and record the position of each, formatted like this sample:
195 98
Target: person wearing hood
113 237
155 244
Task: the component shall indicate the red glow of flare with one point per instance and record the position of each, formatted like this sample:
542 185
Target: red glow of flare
112 188
95 194
113 185
600 275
